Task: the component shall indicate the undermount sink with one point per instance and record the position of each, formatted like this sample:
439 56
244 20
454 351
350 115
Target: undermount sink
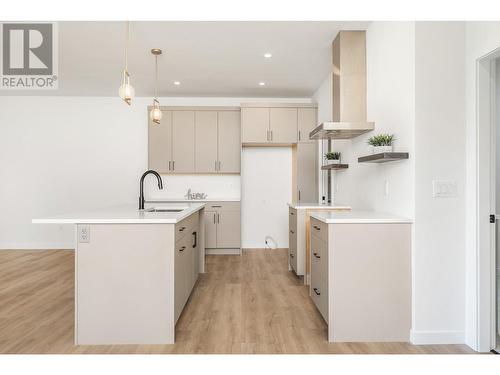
164 209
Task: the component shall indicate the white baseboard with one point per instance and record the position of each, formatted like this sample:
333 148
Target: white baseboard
37 246
436 337
223 251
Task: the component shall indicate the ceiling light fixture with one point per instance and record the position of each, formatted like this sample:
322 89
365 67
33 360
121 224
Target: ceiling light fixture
177 83
268 55
262 83
155 114
126 90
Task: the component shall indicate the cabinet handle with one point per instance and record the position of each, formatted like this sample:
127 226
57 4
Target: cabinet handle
169 165
291 255
292 232
173 165
195 239
267 135
216 206
299 135
291 213
316 291
316 255
214 218
182 229
218 218
271 135
219 165
182 248
299 195
316 227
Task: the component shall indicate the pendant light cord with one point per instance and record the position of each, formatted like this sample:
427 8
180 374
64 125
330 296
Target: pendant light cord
156 76
127 33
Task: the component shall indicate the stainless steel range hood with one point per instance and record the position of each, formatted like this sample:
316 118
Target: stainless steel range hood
349 89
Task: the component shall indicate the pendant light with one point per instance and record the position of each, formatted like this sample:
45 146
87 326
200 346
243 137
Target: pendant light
126 90
155 113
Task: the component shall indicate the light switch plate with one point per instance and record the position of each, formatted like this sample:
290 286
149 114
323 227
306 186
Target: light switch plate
444 188
84 233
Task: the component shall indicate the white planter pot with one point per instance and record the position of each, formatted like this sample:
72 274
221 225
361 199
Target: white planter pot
333 161
380 149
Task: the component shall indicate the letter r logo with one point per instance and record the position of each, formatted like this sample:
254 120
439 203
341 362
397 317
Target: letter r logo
27 49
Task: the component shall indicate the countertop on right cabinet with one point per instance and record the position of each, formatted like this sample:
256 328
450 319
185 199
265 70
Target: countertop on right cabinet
357 217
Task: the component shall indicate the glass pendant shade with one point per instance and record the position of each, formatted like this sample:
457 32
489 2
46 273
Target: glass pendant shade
155 113
126 90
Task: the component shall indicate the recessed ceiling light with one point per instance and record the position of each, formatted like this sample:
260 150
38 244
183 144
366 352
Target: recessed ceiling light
177 83
262 83
268 55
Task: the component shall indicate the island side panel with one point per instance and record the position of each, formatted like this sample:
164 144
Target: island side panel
369 282
125 285
201 240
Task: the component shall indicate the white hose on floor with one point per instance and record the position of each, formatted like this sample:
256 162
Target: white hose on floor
270 243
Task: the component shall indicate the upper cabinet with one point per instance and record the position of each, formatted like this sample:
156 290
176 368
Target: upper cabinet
229 141
255 125
195 140
306 122
276 124
183 141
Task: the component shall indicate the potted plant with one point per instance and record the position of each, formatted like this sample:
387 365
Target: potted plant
332 157
382 143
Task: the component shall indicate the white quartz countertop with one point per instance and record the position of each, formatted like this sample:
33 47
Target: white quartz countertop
174 200
357 217
308 206
127 214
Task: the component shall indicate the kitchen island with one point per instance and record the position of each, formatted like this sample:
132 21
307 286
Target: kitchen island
134 270
361 274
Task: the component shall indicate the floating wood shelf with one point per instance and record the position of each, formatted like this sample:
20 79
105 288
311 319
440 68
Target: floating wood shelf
383 157
330 167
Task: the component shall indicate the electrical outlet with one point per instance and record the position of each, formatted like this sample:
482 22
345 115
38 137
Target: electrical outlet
444 188
84 233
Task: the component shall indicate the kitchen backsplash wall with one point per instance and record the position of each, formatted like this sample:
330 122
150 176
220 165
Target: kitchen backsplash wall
176 186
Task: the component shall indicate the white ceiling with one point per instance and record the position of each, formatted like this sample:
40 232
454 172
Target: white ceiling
208 58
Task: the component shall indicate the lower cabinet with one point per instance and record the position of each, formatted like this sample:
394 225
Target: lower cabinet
223 228
186 261
296 241
319 273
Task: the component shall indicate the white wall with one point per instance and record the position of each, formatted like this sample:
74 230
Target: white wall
266 174
66 154
416 90
439 256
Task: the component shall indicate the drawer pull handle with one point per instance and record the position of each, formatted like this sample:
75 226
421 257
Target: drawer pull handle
291 213
316 291
182 229
317 228
316 255
291 255
292 232
182 248
195 239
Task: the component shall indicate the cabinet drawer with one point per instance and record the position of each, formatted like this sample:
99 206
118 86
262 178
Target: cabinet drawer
292 219
319 229
223 206
319 275
183 227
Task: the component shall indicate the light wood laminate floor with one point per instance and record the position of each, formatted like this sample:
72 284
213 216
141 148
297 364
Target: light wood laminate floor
247 304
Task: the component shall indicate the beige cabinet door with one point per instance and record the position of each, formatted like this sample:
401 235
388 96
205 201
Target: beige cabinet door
210 229
183 141
283 125
306 122
307 187
206 142
160 143
228 229
254 125
229 142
